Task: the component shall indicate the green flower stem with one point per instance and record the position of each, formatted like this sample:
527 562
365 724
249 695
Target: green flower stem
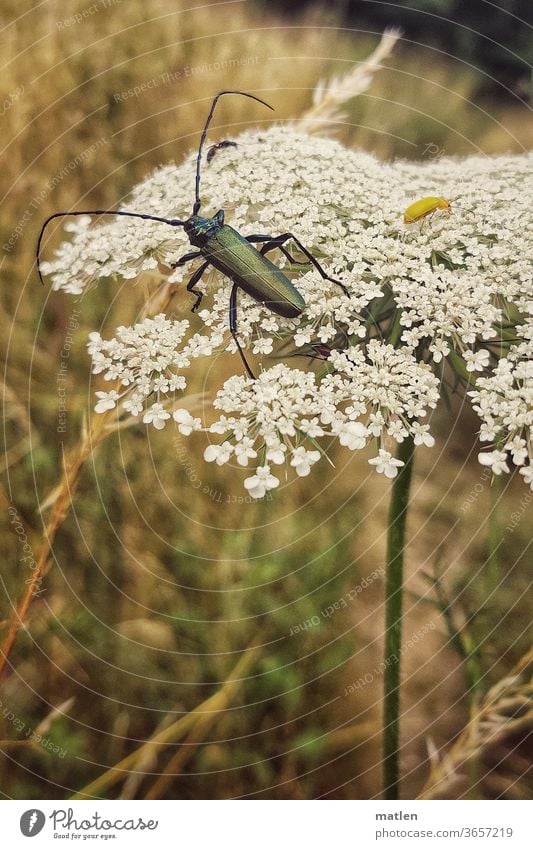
458 365
393 618
396 328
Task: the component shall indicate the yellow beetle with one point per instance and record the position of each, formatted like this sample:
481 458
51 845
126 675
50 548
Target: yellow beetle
423 207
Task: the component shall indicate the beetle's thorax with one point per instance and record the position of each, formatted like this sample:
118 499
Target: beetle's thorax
199 229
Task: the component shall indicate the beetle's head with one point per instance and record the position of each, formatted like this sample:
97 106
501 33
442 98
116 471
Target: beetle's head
200 229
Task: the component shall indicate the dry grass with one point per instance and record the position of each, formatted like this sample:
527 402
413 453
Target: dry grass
155 589
491 756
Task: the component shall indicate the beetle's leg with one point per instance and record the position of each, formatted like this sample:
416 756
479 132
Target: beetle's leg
425 220
258 238
270 247
192 283
233 328
185 258
271 244
277 241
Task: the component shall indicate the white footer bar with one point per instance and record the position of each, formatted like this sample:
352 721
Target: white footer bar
267 824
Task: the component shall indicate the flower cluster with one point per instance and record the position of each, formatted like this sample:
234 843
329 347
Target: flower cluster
267 421
385 385
280 417
146 360
504 402
454 289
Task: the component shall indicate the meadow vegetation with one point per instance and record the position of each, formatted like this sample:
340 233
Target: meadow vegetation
162 578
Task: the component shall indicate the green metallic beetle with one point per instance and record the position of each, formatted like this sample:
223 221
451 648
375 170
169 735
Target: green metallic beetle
224 248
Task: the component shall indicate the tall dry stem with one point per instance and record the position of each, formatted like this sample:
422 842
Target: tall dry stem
203 716
60 501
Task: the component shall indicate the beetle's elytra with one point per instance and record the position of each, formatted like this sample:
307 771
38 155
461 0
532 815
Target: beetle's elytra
235 256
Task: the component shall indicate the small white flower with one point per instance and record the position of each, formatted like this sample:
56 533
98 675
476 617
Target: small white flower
176 382
311 428
476 360
527 474
156 416
386 464
422 435
244 451
397 430
218 454
326 332
497 460
352 435
303 337
222 425
276 455
133 405
518 450
376 423
260 483
108 400
185 421
302 460
93 343
263 346
439 348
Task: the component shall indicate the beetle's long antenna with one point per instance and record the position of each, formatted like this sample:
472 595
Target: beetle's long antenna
174 222
197 202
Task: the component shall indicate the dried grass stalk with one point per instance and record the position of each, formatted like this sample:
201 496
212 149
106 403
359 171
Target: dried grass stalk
330 97
203 716
506 711
59 501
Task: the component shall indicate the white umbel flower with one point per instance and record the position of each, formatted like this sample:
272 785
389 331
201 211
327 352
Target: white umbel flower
504 403
145 359
421 300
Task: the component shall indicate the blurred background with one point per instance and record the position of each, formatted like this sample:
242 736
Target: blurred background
160 578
